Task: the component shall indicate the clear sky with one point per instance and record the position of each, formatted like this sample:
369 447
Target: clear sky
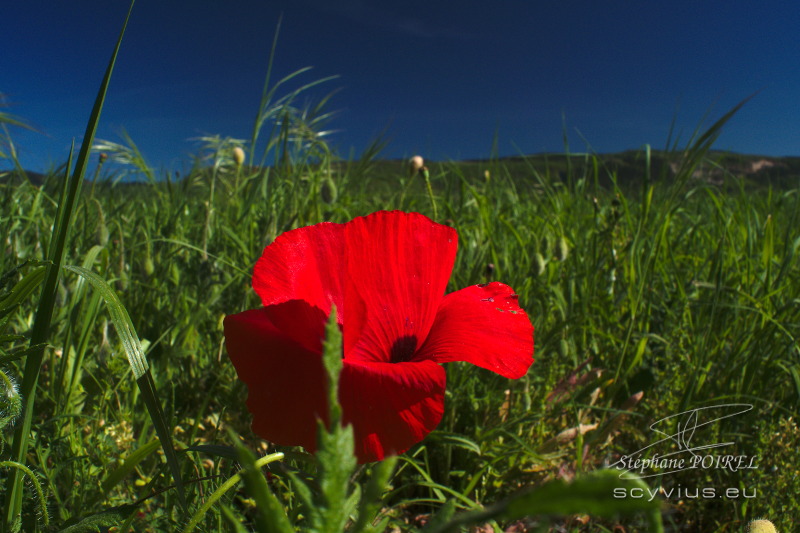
439 78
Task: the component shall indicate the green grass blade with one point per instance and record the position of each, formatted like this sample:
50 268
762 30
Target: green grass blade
601 493
225 487
266 93
44 313
120 319
148 389
33 363
102 521
22 290
270 516
233 522
138 363
371 502
128 465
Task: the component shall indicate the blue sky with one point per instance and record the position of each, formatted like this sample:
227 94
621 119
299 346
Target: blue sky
440 79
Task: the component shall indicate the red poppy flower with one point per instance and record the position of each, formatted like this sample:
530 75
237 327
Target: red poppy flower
386 273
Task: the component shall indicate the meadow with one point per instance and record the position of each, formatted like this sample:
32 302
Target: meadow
653 297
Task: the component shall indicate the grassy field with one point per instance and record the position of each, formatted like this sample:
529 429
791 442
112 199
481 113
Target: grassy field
650 296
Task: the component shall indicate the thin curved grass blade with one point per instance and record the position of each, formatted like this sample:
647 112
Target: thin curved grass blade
103 520
225 487
22 290
128 465
138 362
596 494
120 319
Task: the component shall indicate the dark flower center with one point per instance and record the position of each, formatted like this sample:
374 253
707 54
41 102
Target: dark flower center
403 349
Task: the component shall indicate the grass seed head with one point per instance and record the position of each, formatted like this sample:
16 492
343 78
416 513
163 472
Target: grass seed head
102 228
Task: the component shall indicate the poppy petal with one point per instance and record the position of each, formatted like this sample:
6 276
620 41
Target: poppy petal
398 267
391 406
304 264
482 325
282 368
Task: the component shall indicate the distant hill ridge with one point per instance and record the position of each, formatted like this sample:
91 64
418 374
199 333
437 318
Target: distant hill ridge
627 166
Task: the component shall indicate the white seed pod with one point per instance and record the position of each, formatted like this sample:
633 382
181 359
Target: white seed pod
562 250
539 263
238 156
761 526
415 164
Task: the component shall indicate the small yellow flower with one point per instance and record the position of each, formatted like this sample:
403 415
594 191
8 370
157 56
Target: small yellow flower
143 481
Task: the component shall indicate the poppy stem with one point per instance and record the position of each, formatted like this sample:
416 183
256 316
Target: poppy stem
426 174
332 359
